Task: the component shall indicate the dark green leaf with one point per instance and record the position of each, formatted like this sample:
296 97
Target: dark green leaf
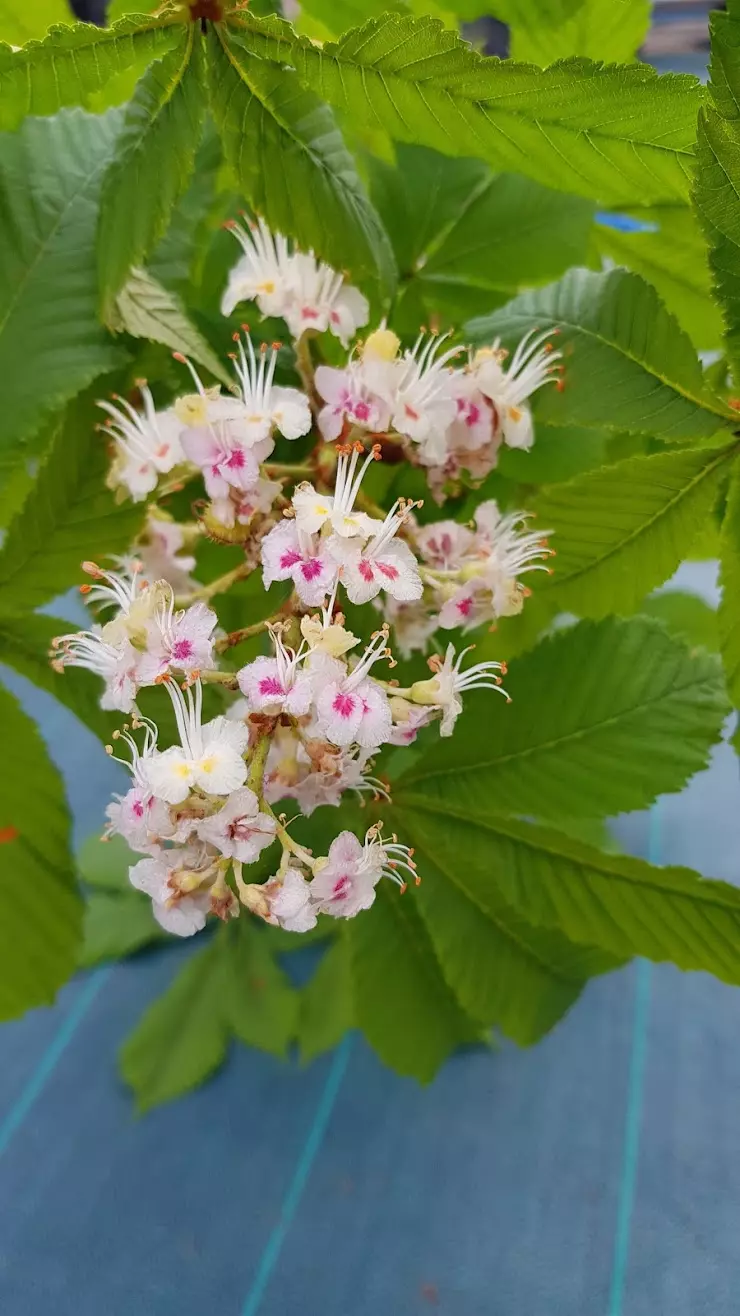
147 310
40 909
261 1004
25 644
729 608
628 364
326 1003
51 344
291 162
154 159
604 717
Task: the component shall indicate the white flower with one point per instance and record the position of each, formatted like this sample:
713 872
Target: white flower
349 400
134 598
268 407
274 685
354 708
424 404
141 820
161 556
443 690
180 641
181 914
385 562
344 883
413 625
313 510
264 274
289 901
208 757
288 553
532 365
239 830
147 444
117 664
445 544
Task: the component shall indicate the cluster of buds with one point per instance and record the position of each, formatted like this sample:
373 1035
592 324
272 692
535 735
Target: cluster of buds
309 717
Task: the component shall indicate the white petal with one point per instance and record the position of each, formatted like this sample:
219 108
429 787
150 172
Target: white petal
170 775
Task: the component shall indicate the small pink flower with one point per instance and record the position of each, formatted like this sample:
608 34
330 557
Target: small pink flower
290 554
346 883
239 830
182 641
348 398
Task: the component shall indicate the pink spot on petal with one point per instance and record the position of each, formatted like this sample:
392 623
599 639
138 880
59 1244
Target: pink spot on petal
270 686
465 607
137 809
311 568
365 570
341 888
344 705
182 650
236 460
289 559
309 313
390 572
362 411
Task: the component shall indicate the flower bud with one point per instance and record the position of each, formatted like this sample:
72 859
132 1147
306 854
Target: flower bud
426 692
382 345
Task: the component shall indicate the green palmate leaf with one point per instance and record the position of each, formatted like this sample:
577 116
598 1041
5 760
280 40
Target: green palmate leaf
178 258
40 910
466 239
502 969
624 529
685 615
117 925
542 32
105 864
25 644
145 309
183 1037
154 159
672 255
18 467
326 1003
560 452
401 1000
21 23
628 364
68 517
621 904
73 62
729 608
291 162
581 702
615 133
262 1005
51 344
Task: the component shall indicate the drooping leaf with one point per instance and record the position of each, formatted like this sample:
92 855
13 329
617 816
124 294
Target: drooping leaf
116 926
540 31
685 615
669 251
183 1036
615 133
466 239
25 644
178 258
729 607
71 63
40 909
68 517
153 162
147 310
261 1004
624 905
623 530
582 701
402 1002
51 344
503 970
291 162
628 364
326 1003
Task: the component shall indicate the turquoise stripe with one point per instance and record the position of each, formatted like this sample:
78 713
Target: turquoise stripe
633 1116
51 1057
294 1192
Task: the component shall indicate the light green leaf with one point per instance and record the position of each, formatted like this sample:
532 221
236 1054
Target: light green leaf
21 23
68 517
25 644
178 258
261 1004
673 257
729 607
542 32
624 905
183 1036
291 162
466 239
623 530
71 63
154 159
402 1003
145 309
685 615
628 364
116 926
504 971
40 909
613 133
51 344
604 717
326 1003
105 864
559 453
